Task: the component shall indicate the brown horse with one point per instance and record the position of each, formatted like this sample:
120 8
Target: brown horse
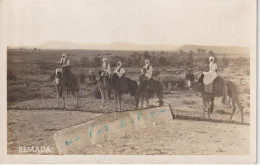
72 84
121 86
219 88
148 88
103 85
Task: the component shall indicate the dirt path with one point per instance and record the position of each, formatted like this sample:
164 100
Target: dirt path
37 127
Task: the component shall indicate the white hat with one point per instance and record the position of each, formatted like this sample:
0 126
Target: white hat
147 61
120 63
64 55
105 59
211 58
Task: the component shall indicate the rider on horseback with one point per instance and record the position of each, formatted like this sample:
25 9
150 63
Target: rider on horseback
147 70
146 73
119 70
106 68
65 65
67 76
208 77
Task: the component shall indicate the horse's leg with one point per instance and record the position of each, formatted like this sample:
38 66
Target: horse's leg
136 102
68 90
64 105
147 101
241 109
204 105
212 104
77 98
58 95
102 97
120 102
142 101
159 95
116 97
233 108
58 100
106 97
208 106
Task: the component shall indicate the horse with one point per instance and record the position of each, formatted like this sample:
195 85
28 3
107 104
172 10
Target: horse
123 85
72 84
220 89
147 88
103 86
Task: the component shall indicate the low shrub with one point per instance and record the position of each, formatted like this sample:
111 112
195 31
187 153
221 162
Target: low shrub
11 75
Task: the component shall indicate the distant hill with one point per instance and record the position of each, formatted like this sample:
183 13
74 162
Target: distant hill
111 46
216 49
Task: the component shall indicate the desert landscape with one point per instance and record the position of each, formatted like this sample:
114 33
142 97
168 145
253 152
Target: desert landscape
33 116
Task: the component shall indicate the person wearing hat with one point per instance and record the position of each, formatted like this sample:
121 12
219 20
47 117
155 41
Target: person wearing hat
106 67
210 75
119 70
65 65
64 60
147 70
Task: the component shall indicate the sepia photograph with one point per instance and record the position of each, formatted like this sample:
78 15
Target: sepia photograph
140 81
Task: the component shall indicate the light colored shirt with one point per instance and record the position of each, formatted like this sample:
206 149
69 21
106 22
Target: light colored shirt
148 71
64 62
106 67
211 75
213 67
120 71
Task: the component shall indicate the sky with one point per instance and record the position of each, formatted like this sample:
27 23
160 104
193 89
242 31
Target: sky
177 22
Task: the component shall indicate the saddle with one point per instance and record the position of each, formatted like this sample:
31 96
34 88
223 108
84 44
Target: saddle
217 87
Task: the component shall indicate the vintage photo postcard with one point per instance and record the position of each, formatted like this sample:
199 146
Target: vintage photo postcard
135 81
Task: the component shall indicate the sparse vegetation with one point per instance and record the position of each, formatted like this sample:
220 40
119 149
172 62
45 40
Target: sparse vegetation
35 70
11 75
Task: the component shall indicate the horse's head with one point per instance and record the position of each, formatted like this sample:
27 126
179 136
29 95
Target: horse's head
190 78
100 73
114 76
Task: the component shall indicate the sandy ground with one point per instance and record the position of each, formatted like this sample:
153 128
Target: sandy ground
34 122
183 135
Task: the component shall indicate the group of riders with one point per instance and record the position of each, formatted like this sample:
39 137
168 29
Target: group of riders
146 71
64 67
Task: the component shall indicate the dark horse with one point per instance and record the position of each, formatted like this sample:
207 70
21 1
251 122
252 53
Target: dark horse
121 86
148 88
220 89
71 82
